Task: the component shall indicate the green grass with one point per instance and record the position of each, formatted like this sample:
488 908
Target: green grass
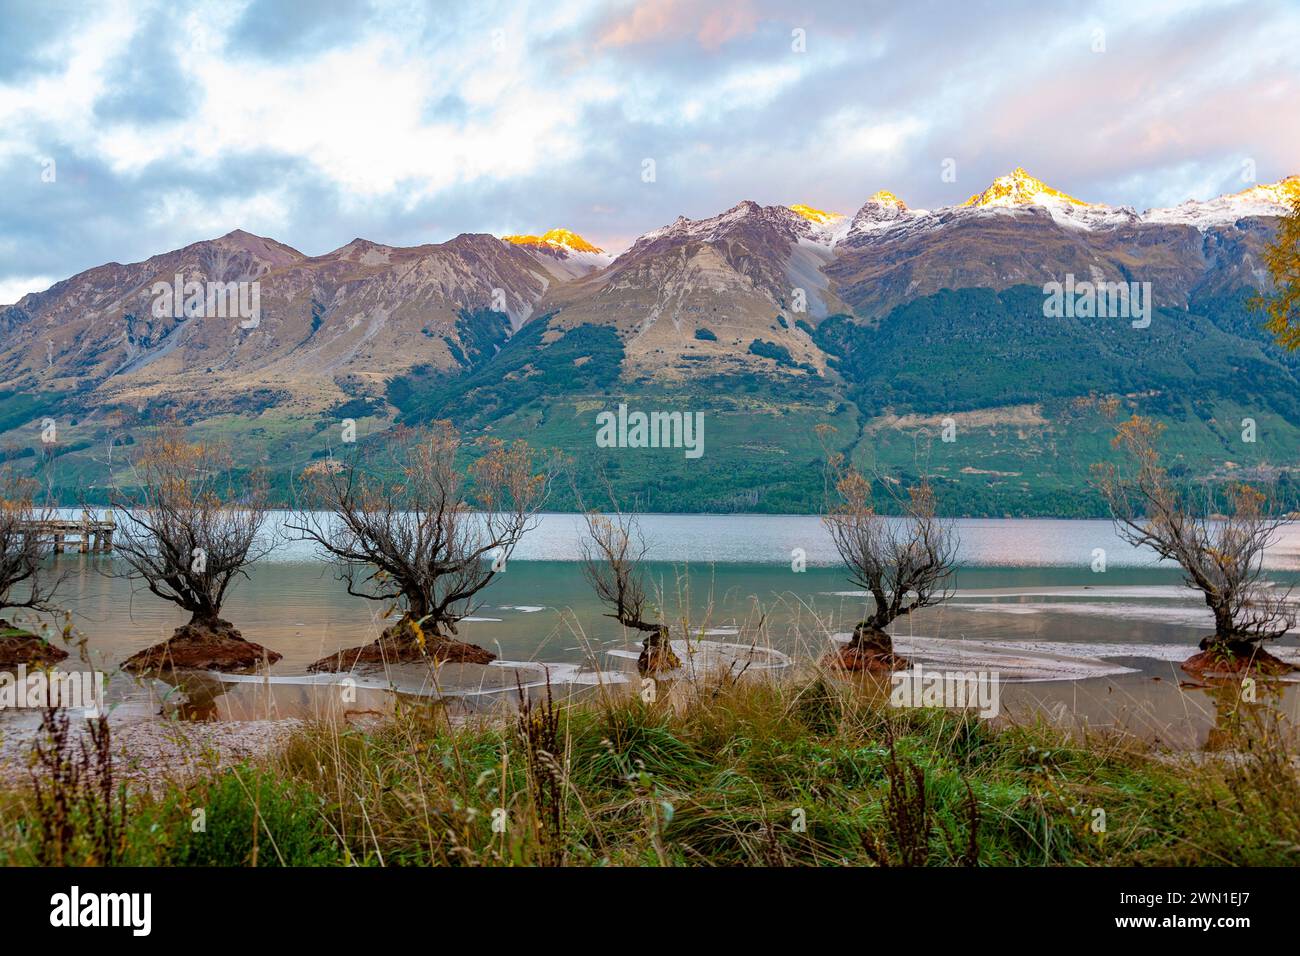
814 772
240 816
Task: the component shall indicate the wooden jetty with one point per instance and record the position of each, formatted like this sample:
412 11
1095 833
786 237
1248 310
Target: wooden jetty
94 534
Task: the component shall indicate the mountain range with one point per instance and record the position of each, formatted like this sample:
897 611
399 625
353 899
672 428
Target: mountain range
886 323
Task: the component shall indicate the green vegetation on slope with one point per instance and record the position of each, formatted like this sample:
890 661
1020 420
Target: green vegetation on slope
525 370
976 348
1009 378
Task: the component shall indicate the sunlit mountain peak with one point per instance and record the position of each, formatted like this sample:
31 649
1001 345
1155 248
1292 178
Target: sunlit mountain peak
885 197
1021 189
814 215
562 238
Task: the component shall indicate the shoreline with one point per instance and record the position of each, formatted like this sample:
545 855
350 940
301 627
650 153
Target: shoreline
713 774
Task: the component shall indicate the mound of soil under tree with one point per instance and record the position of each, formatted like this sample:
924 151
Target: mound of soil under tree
203 645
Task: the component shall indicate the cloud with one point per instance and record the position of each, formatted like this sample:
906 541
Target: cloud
13 289
171 122
710 26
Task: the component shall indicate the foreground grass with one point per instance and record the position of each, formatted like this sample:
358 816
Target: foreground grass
733 773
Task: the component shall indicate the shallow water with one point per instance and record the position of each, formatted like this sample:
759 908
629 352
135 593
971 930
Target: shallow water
770 539
1027 603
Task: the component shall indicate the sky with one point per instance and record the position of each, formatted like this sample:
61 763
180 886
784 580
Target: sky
128 129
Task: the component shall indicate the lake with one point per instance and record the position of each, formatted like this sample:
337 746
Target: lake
1084 645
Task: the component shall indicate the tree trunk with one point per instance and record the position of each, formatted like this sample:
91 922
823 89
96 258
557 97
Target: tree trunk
204 617
1226 644
417 606
868 636
1222 623
657 655
871 649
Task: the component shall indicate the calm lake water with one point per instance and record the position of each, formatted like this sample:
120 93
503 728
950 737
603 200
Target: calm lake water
1084 646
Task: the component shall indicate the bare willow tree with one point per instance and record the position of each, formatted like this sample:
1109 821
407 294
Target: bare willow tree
613 558
24 582
401 526
904 563
189 528
1221 554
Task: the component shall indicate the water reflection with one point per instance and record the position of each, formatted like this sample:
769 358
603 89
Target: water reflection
1035 598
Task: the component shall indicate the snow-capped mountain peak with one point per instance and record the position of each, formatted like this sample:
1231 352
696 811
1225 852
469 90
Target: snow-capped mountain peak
1284 192
563 253
1270 199
1018 188
561 238
882 211
885 198
817 216
742 215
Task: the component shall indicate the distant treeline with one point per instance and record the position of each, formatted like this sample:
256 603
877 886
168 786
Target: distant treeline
957 499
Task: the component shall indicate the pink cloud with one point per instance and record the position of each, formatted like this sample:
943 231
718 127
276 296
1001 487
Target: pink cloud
711 27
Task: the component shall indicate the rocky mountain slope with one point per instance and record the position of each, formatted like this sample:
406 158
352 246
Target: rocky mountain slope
783 306
353 317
